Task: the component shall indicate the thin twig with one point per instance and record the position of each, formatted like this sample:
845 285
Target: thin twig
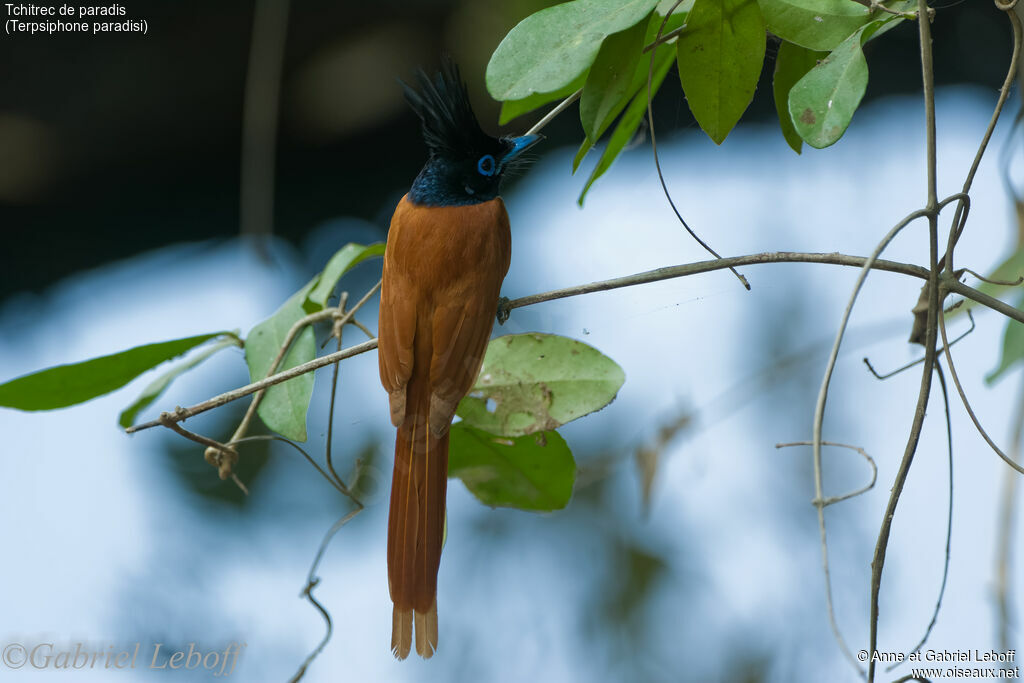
819 418
832 500
537 127
1000 283
359 304
657 162
665 37
956 230
241 392
967 405
341 318
348 318
1004 92
221 454
339 327
167 420
307 456
949 521
312 580
919 360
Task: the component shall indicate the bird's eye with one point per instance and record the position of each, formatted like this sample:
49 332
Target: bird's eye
486 165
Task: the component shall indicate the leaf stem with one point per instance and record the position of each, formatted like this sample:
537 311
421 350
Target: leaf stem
536 128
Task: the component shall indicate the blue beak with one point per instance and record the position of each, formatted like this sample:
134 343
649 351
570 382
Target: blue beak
519 145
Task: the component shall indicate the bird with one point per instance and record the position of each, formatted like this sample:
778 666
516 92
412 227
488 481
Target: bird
447 253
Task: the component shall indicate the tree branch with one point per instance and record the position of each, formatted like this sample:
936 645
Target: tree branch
949 521
699 267
340 319
931 333
235 394
601 286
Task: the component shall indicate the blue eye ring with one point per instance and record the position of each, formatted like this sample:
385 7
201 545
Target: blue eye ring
487 165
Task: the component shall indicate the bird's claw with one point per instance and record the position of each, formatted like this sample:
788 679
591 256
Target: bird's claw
503 310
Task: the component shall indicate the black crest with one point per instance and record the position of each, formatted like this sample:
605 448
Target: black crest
450 128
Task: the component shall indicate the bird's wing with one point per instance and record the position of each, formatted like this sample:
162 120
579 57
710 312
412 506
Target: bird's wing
443 269
395 332
461 331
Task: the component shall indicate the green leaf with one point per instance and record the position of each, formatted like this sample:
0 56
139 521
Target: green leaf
344 260
160 384
585 147
639 81
609 83
814 24
822 24
284 405
538 382
822 103
1013 346
630 120
720 58
515 108
550 49
791 64
534 472
66 385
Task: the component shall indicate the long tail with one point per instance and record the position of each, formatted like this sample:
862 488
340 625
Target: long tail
415 532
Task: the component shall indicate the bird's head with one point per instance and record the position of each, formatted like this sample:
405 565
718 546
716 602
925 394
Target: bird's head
466 165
